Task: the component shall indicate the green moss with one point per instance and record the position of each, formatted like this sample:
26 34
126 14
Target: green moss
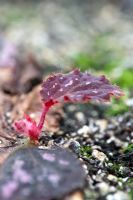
117 107
102 57
131 194
115 169
125 79
125 184
129 182
86 151
128 149
11 14
90 194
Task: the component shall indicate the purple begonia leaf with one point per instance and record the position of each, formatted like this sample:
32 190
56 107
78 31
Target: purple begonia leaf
36 174
78 87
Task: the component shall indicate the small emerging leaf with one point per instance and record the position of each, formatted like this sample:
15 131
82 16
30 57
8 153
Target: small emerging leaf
27 127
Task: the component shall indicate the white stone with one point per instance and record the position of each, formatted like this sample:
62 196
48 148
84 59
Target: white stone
104 188
119 195
84 130
111 177
99 155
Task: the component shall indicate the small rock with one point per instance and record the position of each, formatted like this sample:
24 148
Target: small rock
130 102
96 147
74 146
84 130
80 117
104 188
33 173
125 170
110 164
99 155
111 177
119 195
102 123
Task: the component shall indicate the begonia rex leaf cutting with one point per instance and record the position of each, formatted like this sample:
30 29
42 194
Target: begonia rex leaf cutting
74 87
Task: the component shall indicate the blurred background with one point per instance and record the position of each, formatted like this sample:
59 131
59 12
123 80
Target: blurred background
93 35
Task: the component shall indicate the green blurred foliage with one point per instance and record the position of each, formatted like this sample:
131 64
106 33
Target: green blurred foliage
128 149
86 151
106 58
12 14
129 183
117 107
131 194
103 56
125 79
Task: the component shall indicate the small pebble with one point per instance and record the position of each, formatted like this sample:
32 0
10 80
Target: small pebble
111 177
80 117
119 195
99 155
84 130
104 188
74 146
